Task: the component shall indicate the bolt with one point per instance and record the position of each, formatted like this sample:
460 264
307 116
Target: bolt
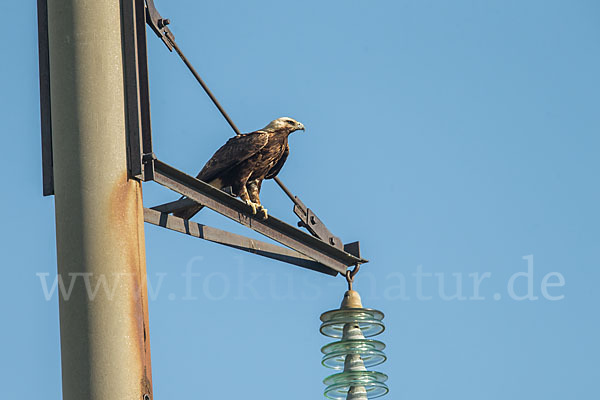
163 22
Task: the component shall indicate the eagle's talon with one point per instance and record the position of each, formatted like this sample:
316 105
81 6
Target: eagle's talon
263 211
253 205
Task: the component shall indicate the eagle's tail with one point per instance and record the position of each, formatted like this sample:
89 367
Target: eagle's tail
189 212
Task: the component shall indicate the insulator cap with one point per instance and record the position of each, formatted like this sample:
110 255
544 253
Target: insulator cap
351 300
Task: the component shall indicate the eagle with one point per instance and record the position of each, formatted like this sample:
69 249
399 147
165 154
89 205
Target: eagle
245 161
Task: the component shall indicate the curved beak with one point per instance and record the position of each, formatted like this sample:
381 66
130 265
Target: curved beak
300 126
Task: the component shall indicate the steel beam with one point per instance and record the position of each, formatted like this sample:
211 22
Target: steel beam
239 242
273 228
132 87
45 119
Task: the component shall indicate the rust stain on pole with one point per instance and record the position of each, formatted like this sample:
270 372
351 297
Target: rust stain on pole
126 213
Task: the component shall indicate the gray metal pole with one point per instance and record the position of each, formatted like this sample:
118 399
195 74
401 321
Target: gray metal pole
99 215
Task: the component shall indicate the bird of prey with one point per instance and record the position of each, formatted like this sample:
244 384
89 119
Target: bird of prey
245 161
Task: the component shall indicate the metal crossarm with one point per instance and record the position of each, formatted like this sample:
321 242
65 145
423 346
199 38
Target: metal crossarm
239 242
273 228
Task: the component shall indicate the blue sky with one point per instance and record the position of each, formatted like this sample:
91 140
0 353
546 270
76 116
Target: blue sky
450 138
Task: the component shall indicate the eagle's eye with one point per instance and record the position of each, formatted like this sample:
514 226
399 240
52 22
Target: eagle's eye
289 121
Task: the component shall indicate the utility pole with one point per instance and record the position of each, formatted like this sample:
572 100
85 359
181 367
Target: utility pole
105 346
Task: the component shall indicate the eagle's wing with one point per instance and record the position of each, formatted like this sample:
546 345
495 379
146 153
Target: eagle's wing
277 167
236 150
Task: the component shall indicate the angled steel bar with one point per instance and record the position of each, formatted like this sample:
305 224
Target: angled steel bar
132 87
45 116
233 240
238 211
144 89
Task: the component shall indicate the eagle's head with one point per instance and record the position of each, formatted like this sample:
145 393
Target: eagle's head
285 124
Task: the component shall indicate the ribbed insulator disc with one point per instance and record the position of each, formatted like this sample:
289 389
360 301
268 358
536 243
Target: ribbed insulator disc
369 350
367 319
339 384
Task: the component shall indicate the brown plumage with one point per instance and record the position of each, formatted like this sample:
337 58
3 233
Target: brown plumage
245 161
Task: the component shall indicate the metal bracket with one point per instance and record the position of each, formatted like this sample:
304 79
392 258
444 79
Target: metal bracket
159 25
353 248
310 221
